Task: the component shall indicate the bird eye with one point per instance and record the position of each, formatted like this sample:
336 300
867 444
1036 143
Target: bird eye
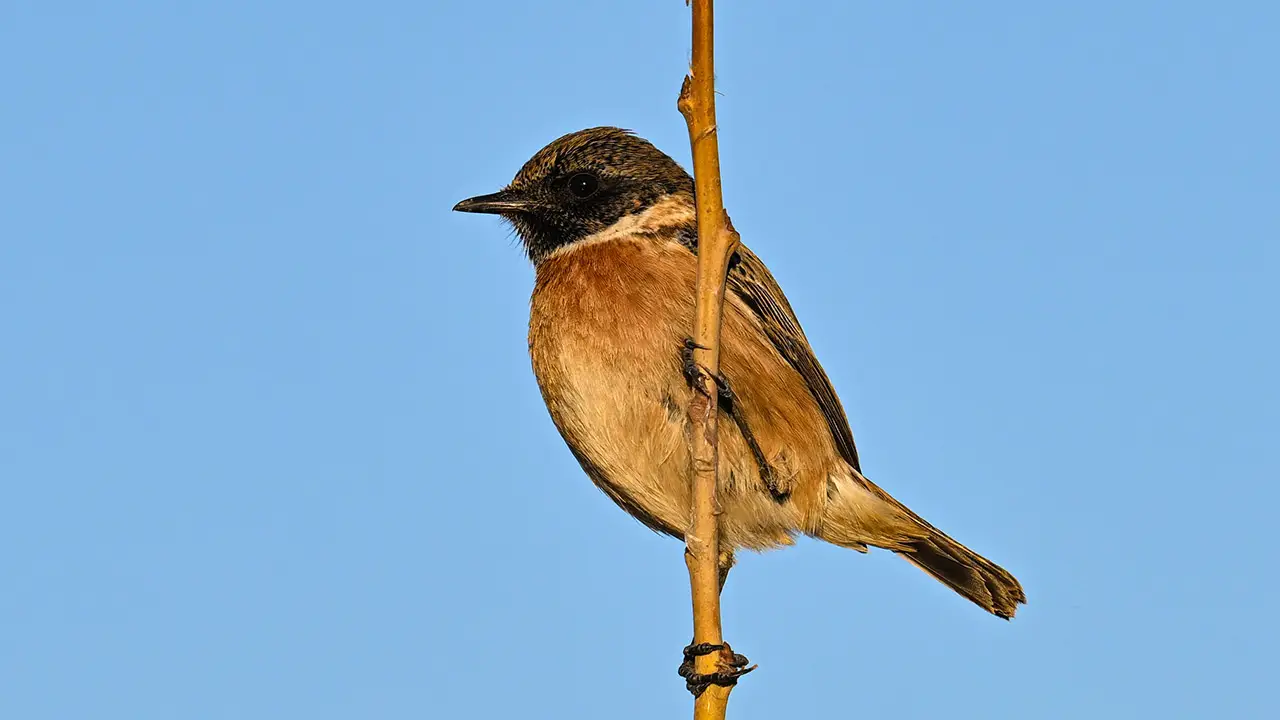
583 185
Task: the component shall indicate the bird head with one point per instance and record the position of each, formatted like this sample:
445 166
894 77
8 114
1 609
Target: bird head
582 184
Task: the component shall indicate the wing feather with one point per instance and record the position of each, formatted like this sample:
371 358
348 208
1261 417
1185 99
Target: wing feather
752 282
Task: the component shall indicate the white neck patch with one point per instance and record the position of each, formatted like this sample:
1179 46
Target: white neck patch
668 211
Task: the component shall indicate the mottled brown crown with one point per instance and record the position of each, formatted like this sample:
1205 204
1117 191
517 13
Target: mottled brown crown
631 174
608 150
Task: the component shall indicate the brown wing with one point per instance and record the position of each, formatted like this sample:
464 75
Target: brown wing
752 282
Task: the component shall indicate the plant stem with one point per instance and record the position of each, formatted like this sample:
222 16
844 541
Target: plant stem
716 243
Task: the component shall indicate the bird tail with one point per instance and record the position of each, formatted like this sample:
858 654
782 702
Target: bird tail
859 514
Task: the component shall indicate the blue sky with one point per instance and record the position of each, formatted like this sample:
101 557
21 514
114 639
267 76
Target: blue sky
270 445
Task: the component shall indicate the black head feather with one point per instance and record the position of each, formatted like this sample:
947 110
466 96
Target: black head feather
581 184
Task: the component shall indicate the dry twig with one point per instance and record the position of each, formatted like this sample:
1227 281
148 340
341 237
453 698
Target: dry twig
716 242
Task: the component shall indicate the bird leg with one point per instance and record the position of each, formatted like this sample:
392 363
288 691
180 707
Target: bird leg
728 402
729 668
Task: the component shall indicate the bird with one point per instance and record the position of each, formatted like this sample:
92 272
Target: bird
609 223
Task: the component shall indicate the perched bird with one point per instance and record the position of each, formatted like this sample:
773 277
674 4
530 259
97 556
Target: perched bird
608 221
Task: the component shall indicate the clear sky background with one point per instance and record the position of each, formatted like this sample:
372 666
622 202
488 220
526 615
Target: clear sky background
270 445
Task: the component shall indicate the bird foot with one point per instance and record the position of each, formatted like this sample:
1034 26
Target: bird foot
693 371
730 667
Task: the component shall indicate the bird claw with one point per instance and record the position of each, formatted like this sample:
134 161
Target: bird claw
693 372
731 666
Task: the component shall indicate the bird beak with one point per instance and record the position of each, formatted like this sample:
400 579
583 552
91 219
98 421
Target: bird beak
503 201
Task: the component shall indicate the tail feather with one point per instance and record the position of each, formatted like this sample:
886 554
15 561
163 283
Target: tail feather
988 585
861 514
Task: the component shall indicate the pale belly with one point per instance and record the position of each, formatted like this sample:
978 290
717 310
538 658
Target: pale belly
625 426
